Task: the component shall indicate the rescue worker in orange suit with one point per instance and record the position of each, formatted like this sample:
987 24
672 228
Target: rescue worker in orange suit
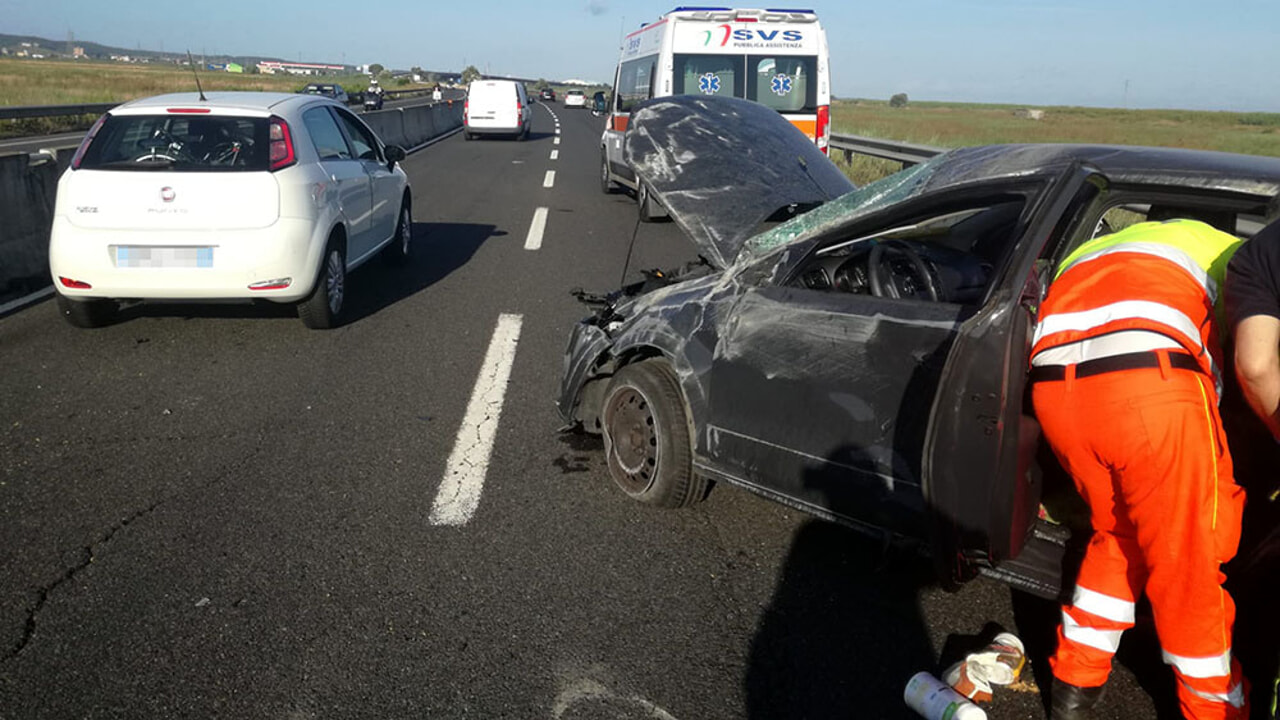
1125 383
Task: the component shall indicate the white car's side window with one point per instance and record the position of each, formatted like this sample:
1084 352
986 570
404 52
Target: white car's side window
324 132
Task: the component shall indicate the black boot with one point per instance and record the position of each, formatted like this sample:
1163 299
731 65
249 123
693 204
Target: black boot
1068 702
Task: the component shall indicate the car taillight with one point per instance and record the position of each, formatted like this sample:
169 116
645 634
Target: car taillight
281 144
84 144
75 284
822 134
466 109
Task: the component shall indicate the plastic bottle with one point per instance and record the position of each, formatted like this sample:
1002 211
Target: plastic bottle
935 700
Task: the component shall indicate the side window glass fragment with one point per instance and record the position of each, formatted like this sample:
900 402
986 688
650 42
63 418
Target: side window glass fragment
324 132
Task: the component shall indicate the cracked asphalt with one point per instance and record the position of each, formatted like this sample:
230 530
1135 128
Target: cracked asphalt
214 512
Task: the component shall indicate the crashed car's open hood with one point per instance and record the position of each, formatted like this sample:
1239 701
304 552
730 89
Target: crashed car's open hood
721 166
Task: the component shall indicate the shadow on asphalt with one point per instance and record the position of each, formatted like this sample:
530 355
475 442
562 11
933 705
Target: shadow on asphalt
844 631
438 250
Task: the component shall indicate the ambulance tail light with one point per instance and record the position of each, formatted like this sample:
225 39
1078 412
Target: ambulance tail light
822 134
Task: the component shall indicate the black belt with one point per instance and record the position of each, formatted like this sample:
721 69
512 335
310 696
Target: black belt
1128 361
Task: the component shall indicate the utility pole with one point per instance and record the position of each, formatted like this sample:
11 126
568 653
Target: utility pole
1126 93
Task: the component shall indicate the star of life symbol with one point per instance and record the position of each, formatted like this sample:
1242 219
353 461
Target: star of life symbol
709 84
781 84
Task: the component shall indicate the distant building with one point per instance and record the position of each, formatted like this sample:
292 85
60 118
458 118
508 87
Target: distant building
271 67
77 52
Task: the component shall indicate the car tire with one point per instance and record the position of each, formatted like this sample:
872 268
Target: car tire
646 204
86 313
466 135
647 440
399 251
322 309
607 185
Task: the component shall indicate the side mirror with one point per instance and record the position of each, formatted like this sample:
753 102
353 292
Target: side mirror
394 154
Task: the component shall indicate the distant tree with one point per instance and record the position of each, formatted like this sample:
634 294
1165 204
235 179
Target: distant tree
899 100
470 74
417 70
542 84
376 69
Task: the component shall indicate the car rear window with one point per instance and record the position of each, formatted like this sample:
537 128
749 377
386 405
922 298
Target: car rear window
192 143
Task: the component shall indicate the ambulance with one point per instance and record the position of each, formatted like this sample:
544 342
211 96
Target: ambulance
777 58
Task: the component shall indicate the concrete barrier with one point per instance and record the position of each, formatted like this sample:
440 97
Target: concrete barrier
28 188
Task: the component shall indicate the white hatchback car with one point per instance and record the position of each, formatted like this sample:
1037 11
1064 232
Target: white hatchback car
575 98
236 196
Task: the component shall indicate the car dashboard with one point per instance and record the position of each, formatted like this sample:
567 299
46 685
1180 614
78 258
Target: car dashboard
958 277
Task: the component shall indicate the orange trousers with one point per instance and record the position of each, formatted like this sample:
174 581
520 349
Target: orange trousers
1146 450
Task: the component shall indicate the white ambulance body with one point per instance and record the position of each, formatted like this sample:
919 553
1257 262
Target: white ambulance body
774 57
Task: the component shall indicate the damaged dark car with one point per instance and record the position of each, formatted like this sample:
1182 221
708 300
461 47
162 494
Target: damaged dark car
865 361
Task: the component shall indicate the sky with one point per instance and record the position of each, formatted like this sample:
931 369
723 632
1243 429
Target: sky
1192 54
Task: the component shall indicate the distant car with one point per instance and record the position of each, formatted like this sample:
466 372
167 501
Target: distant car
549 94
496 107
328 90
242 196
575 98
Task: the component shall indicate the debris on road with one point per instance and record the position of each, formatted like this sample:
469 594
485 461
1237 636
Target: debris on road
935 700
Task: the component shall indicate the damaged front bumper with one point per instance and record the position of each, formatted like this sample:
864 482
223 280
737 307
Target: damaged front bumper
588 344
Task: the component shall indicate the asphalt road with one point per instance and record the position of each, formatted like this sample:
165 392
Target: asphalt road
214 512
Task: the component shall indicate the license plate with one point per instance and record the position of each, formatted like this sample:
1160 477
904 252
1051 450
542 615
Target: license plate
150 256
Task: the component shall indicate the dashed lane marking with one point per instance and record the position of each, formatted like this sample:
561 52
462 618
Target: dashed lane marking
533 240
555 154
459 494
550 179
557 141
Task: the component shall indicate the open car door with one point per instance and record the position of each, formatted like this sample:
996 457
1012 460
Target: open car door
980 478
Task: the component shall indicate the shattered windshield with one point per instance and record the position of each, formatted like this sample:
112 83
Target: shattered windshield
863 201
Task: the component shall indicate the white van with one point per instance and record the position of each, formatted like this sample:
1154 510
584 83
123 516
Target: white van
774 57
496 107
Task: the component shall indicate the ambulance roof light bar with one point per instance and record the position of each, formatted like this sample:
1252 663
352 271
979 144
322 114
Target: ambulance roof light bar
722 14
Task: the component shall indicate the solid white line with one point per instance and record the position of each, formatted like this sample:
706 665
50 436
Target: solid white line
557 141
22 302
459 493
533 240
550 179
555 154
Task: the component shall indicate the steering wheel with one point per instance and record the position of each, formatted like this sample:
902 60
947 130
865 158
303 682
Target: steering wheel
881 276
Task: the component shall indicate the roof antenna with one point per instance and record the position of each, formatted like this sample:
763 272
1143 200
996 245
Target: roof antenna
192 63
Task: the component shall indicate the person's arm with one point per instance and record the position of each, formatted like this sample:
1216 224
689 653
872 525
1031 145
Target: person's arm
1257 340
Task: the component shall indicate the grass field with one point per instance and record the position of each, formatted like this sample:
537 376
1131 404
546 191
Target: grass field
52 82
957 125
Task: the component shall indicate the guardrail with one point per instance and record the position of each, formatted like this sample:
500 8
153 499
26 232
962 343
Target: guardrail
18 112
903 152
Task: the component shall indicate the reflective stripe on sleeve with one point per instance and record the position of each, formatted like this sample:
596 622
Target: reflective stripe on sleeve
1212 666
1123 310
1105 640
1104 606
1165 252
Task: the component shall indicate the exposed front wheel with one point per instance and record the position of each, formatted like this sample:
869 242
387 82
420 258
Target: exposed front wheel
647 439
86 313
322 308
